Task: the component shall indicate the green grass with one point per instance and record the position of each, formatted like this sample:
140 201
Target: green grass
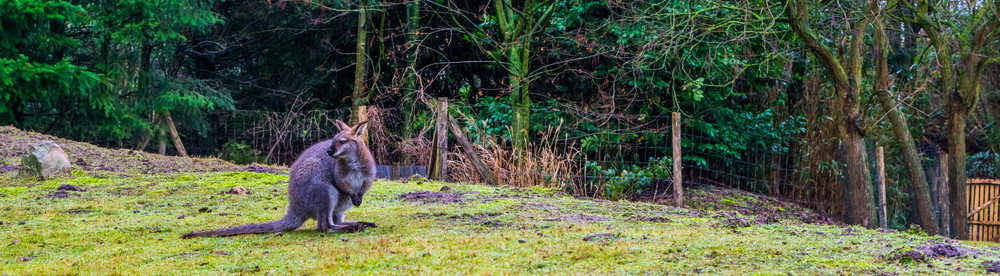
128 224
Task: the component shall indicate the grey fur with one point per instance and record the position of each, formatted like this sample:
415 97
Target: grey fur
320 187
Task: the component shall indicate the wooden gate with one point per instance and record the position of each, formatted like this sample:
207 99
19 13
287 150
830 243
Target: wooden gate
984 212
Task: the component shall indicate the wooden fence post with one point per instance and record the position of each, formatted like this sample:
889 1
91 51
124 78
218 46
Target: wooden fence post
363 117
675 131
439 157
943 198
470 152
883 220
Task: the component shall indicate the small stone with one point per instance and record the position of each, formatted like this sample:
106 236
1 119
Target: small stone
522 241
267 252
445 189
180 217
223 214
344 239
239 190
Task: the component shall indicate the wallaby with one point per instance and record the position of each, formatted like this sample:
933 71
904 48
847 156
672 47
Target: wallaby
324 182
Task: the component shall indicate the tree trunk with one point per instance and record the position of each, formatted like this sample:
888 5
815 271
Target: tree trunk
901 131
410 79
911 158
858 180
520 96
956 170
359 97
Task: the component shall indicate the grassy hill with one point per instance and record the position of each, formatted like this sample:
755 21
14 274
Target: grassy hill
129 220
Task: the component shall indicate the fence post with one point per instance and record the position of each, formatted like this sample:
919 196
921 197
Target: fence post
439 161
884 223
362 117
675 131
943 197
477 163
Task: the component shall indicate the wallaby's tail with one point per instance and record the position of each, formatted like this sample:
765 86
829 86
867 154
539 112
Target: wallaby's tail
290 222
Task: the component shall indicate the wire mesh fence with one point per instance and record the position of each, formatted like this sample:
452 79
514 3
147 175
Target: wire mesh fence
599 153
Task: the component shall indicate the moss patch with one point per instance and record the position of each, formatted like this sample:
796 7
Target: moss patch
133 224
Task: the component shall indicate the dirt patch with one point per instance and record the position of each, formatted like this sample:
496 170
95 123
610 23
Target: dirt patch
601 236
767 218
8 168
90 157
732 220
655 219
580 218
427 197
992 266
67 187
258 169
59 194
933 251
485 219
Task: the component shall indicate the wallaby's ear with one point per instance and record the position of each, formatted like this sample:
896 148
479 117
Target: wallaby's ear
341 125
359 128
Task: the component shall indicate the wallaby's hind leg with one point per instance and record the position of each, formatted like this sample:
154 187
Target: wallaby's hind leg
323 202
343 205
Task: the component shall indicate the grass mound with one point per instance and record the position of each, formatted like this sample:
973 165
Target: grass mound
97 221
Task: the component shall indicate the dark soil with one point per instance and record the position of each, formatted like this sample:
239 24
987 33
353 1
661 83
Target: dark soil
67 187
16 142
601 236
767 218
427 197
258 169
992 266
733 220
655 219
59 194
933 251
8 168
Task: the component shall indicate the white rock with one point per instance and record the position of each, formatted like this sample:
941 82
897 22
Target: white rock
43 160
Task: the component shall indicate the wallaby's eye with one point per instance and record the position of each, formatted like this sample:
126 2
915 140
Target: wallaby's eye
343 142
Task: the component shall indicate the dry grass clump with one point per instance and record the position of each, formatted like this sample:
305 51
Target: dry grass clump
541 164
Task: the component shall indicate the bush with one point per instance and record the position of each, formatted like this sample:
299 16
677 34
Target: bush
240 153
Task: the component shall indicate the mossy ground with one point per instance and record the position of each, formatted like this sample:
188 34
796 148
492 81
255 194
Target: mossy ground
130 222
133 224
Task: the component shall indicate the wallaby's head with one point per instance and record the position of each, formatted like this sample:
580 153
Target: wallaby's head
345 143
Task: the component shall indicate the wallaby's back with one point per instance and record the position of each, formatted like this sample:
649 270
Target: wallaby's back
309 174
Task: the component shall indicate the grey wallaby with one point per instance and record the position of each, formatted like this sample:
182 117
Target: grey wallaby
324 182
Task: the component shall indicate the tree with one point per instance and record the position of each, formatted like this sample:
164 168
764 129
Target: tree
360 96
964 35
901 130
845 73
518 28
41 86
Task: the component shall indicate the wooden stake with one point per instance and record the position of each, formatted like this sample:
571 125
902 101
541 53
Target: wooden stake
470 152
362 117
883 220
943 198
173 135
675 131
439 171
